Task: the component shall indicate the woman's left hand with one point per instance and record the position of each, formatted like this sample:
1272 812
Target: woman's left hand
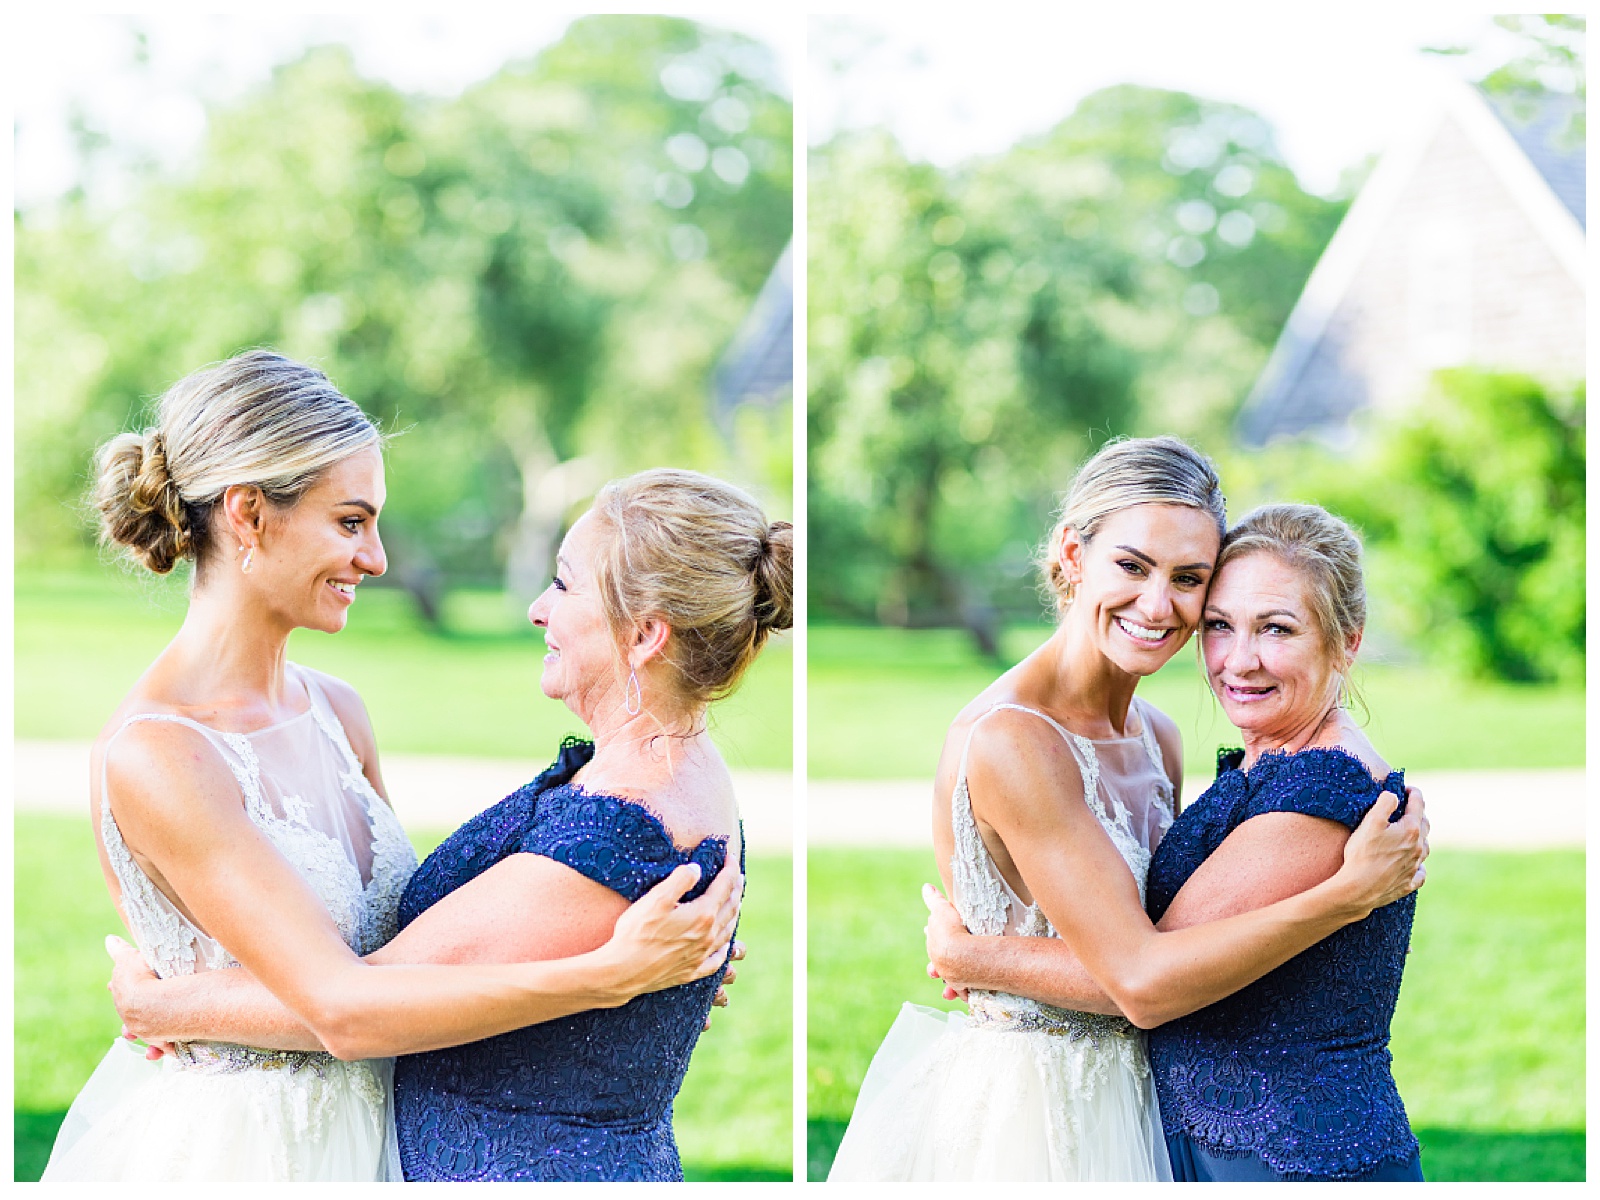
662 941
945 933
1383 858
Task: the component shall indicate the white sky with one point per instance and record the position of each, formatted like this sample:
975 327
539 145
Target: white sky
87 60
950 83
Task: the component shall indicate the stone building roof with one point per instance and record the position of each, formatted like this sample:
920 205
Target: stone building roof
1466 245
1553 142
758 366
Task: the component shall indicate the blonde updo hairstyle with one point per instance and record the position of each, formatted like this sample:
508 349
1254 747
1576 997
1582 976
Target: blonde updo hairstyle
698 554
258 419
1125 473
1326 553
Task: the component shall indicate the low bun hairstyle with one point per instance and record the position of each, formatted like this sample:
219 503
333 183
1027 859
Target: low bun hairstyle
259 419
1126 472
699 554
140 506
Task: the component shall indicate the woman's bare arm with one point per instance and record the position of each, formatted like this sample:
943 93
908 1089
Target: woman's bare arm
178 806
1266 859
487 920
1026 787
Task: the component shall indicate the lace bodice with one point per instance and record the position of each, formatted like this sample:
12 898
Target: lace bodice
587 1096
1126 787
302 785
1295 1067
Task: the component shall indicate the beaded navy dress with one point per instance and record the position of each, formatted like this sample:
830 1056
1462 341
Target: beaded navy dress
584 1097
1290 1076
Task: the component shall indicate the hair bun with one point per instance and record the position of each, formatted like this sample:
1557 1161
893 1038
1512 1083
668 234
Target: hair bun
774 577
140 505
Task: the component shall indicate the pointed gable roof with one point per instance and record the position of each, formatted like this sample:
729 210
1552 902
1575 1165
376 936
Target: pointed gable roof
1542 171
1545 128
758 365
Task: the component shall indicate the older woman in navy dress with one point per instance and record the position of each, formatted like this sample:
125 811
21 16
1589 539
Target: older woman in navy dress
664 593
1288 1078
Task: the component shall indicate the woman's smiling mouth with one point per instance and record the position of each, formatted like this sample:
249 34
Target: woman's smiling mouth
1142 634
1245 694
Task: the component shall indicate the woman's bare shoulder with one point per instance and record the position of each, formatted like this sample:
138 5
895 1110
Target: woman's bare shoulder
695 799
160 773
1354 741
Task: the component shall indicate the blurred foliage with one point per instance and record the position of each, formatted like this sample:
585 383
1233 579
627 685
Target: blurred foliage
976 331
1471 505
1553 57
533 279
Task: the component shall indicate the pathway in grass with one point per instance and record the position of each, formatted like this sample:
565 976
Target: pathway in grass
1488 1039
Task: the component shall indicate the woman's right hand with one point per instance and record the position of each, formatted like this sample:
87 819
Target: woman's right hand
1383 860
661 942
136 991
945 933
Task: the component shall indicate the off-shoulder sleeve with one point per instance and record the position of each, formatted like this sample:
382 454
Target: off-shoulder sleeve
613 841
1318 783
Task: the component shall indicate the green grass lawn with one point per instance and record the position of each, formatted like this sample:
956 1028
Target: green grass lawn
82 639
881 699
733 1117
1488 1039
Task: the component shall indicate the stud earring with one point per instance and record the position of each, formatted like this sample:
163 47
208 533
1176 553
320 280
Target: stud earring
634 704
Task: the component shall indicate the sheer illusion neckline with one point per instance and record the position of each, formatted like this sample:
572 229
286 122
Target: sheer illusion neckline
1134 735
310 708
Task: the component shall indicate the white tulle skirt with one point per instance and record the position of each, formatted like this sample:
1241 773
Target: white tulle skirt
229 1115
952 1098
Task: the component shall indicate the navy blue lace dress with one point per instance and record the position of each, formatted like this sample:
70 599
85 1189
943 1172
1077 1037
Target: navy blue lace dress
585 1097
1289 1077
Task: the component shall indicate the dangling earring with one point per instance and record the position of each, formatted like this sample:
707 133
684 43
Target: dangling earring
1071 593
249 557
637 701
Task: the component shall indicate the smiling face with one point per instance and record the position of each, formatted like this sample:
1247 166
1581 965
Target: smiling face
1264 654
314 553
1141 580
580 662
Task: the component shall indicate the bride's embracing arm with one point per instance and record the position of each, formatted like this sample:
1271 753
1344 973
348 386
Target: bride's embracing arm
232 1006
1026 788
179 810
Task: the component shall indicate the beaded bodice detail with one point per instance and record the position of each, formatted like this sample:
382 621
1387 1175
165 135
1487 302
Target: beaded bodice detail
587 1096
314 803
1294 1068
1132 799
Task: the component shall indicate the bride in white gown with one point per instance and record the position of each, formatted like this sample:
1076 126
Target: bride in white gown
1054 787
241 818
251 1114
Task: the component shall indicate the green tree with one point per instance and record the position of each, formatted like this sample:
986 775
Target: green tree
535 278
1552 57
945 349
1477 503
975 331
